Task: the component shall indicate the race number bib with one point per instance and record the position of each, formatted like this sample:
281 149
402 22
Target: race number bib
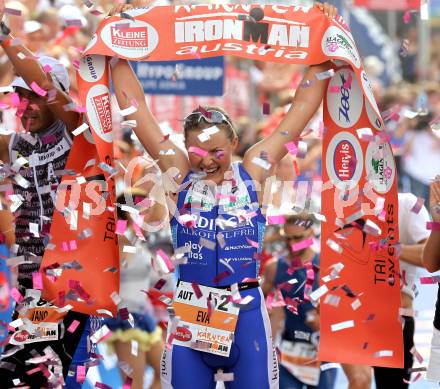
299 359
205 329
40 320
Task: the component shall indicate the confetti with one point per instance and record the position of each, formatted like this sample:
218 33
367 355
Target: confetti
302 245
433 226
429 280
37 89
327 366
416 354
342 325
280 219
334 246
73 326
261 163
197 150
12 11
332 299
266 108
129 249
407 17
318 293
418 205
334 89
196 289
129 123
37 280
83 127
121 226
128 111
223 377
383 353
6 89
324 75
356 304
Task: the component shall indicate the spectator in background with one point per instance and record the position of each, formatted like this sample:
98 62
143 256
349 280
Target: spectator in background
431 260
412 235
299 319
421 156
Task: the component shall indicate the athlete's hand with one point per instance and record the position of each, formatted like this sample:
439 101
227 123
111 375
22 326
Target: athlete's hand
434 199
2 9
117 9
329 10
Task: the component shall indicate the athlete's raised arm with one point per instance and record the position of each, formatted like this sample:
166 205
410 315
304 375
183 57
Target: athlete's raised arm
26 65
127 87
306 102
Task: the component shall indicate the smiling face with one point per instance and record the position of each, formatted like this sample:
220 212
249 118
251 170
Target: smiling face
219 150
37 116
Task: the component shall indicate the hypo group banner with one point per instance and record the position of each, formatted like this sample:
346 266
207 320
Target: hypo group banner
197 77
359 198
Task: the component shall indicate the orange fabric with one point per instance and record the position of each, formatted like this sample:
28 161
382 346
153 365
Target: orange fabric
284 34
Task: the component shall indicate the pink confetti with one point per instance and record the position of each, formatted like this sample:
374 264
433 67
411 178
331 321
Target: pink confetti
196 289
159 284
429 280
37 89
418 205
198 151
121 226
407 17
73 245
253 243
416 354
291 148
80 373
47 68
127 383
16 295
37 280
72 328
278 219
302 245
12 11
348 81
166 259
334 89
433 226
100 385
266 108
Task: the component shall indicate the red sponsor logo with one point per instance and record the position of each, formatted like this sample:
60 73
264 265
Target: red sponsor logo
130 37
183 334
344 160
21 336
103 108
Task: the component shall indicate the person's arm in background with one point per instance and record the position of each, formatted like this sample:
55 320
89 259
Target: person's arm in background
26 66
413 254
431 253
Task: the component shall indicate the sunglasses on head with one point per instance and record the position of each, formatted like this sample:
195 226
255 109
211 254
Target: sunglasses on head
211 116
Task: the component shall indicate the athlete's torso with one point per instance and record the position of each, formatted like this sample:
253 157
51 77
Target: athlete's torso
226 237
46 154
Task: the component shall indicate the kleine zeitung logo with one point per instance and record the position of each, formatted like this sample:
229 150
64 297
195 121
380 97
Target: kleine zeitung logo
130 39
99 112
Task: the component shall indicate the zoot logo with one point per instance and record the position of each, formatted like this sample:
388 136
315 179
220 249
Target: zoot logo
345 105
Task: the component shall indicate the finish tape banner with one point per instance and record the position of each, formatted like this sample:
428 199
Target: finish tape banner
359 198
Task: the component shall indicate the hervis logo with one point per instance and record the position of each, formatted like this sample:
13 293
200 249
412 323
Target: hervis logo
131 39
99 112
344 160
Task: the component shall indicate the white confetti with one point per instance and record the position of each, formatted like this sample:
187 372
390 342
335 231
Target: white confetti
83 127
128 111
356 304
318 293
342 325
261 163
